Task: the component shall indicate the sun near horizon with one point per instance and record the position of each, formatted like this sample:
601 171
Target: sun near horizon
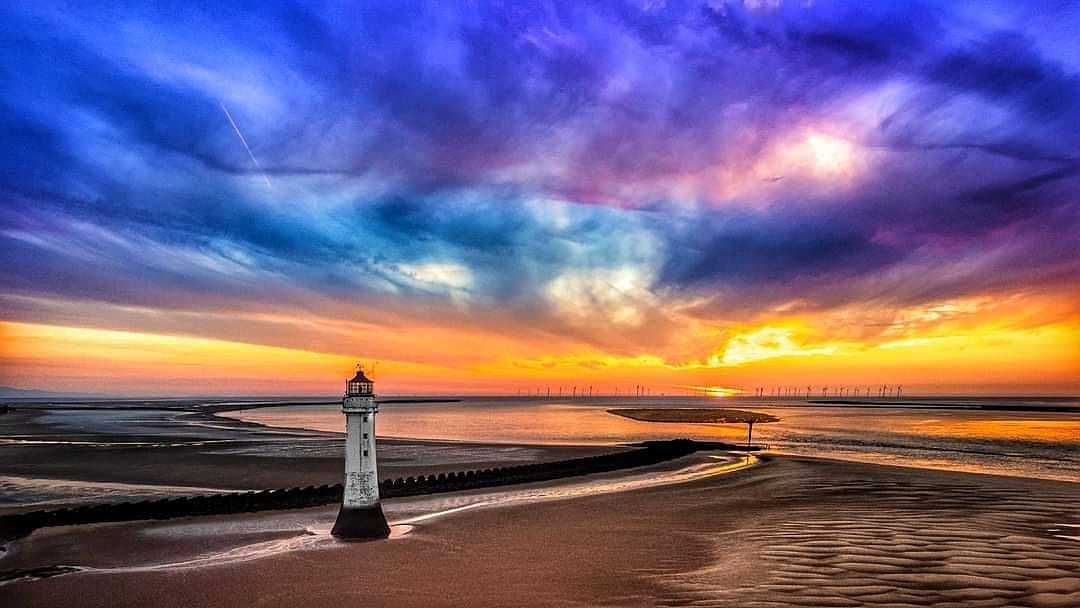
104 362
625 303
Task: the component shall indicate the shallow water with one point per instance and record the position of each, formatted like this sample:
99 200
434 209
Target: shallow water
1039 444
306 531
30 491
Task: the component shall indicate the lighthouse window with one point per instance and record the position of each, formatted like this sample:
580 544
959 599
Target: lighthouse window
365 435
365 452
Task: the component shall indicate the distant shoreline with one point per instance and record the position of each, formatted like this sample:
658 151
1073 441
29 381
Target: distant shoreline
951 406
693 415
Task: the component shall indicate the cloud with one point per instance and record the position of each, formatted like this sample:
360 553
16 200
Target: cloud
753 248
767 343
609 174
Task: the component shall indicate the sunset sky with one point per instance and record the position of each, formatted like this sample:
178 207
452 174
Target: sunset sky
488 197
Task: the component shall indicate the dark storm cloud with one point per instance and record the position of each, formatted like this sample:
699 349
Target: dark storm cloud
749 249
1005 67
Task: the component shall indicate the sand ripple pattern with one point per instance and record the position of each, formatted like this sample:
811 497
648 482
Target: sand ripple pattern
897 544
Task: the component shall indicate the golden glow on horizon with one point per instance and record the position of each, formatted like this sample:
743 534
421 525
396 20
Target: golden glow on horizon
766 343
1007 429
70 359
716 391
957 347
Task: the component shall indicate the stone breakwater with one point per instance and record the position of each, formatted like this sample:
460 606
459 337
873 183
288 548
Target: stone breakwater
654 452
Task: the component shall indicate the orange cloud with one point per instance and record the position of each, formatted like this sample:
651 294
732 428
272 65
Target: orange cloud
970 345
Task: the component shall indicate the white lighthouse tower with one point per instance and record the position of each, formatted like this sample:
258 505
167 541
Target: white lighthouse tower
361 514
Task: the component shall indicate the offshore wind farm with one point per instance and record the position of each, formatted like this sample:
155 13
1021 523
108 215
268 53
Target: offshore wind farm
243 487
733 303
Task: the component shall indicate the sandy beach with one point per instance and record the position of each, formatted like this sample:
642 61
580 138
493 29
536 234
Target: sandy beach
708 303
64 456
786 532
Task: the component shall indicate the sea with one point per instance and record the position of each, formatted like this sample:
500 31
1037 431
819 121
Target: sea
1035 437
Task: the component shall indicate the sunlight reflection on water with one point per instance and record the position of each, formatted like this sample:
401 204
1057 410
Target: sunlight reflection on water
1035 444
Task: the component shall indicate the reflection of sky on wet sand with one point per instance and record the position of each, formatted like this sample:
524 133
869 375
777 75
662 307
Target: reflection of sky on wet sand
436 505
23 491
306 530
998 428
1034 444
29 491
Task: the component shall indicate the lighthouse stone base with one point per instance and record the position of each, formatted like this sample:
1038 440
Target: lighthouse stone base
358 523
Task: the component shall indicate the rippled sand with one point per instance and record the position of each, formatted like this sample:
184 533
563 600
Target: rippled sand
789 532
902 542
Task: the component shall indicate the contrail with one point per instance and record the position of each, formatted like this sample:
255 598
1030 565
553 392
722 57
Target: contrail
246 146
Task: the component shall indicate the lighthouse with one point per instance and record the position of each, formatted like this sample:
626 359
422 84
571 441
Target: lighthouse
361 514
